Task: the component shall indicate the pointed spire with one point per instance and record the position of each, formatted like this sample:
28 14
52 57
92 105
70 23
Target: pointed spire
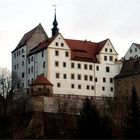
55 30
55 23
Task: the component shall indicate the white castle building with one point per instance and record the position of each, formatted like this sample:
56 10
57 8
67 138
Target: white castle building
133 51
75 67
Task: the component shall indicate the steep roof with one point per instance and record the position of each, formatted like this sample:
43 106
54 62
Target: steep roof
85 50
43 45
80 50
27 36
137 45
41 80
129 68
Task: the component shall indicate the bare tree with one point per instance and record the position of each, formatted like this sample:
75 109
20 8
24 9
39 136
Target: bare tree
5 81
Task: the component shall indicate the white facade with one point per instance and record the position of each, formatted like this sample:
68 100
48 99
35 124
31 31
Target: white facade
68 76
133 52
91 79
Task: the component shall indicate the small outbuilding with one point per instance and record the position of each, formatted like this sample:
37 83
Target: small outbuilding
41 86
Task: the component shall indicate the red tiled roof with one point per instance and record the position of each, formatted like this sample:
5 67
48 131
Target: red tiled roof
41 80
85 50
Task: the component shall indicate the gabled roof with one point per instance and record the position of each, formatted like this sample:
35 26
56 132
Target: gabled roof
85 50
129 68
41 80
80 50
27 36
43 45
137 45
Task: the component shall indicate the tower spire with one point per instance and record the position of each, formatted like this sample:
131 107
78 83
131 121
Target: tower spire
55 30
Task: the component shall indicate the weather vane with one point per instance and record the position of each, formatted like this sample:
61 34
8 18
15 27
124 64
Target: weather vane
54 7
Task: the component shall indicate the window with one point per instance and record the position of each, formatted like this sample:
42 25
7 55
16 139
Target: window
111 58
91 78
58 85
130 50
32 58
19 52
79 86
103 88
92 87
57 75
64 76
22 63
105 49
86 77
22 50
66 54
28 60
72 65
79 76
79 66
107 69
111 89
62 44
87 87
44 64
135 49
32 69
64 64
23 75
56 53
15 67
72 85
43 53
85 66
72 76
96 80
105 58
104 79
28 70
14 55
110 50
90 67
56 63
97 68
111 80
32 80
56 43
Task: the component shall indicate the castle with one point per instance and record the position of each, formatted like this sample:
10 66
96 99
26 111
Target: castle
74 67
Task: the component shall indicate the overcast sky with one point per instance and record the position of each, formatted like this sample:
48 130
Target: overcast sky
95 20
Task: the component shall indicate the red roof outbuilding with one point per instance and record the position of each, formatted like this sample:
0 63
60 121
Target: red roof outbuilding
41 80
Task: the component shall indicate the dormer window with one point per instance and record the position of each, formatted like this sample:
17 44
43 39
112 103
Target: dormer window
105 49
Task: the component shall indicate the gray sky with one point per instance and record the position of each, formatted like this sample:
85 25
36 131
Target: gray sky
93 20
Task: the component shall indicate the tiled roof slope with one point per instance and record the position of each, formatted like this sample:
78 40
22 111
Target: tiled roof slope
85 50
138 45
27 36
129 68
43 45
41 80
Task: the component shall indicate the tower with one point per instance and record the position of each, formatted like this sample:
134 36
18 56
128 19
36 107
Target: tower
55 30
